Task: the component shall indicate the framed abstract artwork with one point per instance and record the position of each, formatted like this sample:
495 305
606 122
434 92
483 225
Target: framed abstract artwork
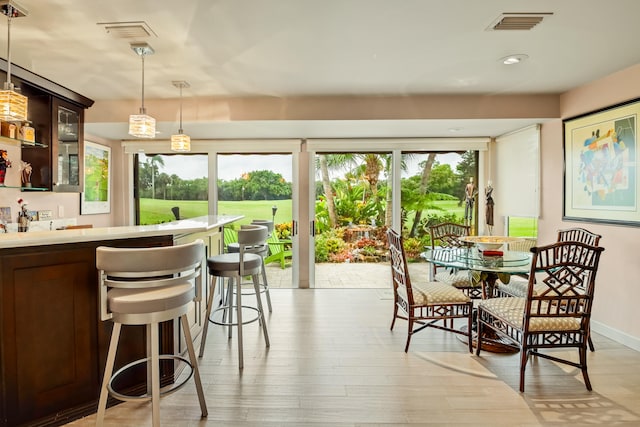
600 166
96 194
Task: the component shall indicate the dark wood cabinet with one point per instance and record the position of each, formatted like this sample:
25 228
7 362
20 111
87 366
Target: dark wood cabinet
53 345
57 116
67 146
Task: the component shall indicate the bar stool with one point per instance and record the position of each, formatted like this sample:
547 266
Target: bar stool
146 286
263 251
235 266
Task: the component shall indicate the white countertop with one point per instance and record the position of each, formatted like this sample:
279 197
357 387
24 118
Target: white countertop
174 228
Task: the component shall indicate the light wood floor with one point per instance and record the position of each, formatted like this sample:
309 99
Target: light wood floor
334 362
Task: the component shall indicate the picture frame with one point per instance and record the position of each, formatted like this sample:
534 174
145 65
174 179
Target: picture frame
96 191
600 166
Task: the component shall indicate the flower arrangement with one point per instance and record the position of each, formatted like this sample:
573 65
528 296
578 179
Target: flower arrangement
23 208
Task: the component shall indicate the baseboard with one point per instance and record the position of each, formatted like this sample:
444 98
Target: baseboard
616 335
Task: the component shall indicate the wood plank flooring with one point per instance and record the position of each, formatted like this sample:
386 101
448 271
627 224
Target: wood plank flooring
334 362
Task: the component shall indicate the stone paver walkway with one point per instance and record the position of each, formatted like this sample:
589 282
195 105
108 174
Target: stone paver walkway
346 275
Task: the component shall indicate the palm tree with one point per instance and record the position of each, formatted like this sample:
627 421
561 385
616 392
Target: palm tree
427 165
327 162
154 161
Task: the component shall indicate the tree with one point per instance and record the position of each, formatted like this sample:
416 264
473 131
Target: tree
325 163
154 161
422 190
266 185
442 179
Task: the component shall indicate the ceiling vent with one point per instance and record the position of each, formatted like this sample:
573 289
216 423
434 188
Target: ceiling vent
128 30
517 21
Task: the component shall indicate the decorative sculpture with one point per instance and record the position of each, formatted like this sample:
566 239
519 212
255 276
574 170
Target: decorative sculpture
4 164
488 192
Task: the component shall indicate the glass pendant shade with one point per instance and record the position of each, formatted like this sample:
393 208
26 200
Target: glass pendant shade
13 106
142 126
180 142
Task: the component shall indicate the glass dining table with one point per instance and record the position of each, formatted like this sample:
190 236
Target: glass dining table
487 267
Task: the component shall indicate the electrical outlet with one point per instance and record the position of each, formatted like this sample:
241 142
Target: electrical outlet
60 211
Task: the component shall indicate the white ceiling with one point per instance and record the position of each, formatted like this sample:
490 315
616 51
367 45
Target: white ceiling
281 48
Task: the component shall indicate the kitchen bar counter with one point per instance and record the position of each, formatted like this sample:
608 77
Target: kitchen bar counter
53 345
185 226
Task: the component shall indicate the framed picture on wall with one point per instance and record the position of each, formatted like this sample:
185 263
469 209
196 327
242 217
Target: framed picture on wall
96 193
600 166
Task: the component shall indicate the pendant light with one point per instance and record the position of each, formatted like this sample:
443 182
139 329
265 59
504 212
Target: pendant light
180 142
141 125
13 105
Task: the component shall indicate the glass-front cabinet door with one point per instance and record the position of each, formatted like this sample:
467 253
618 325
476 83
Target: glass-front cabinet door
68 137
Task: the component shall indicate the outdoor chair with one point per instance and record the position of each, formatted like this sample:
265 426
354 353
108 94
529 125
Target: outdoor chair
230 236
447 235
424 304
554 313
517 286
279 250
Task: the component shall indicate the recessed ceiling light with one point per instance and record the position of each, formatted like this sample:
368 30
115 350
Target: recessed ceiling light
514 59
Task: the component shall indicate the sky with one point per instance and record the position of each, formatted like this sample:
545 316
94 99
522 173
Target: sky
234 165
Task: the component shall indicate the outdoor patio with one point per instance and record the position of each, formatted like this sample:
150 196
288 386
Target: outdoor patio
347 275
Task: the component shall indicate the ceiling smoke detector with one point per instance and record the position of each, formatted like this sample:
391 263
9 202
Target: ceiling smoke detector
128 30
517 21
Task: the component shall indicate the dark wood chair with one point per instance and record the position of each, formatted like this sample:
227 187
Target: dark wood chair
517 287
577 234
424 304
556 309
447 235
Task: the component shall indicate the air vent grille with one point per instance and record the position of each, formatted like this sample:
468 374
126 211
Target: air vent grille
517 21
128 30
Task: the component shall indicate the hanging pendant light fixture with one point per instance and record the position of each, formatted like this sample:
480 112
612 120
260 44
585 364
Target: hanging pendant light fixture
180 142
141 125
13 105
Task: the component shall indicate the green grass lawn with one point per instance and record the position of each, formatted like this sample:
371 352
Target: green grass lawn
155 211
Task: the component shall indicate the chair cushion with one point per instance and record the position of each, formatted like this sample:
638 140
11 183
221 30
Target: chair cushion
231 262
458 279
149 300
434 293
511 310
518 287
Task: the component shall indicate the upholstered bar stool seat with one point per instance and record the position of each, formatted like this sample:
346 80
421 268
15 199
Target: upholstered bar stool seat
146 286
235 266
221 265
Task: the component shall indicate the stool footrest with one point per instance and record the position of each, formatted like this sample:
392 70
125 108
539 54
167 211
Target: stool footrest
244 322
163 392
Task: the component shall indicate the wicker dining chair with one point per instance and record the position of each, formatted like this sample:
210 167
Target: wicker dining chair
556 309
447 235
424 304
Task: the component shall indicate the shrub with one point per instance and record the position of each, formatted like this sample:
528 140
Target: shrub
283 230
413 247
